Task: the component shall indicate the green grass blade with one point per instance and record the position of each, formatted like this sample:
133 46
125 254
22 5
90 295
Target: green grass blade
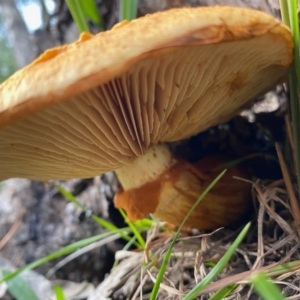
284 9
169 252
219 266
265 288
134 230
90 10
294 83
67 250
59 293
144 223
295 115
78 16
69 196
128 9
289 11
294 25
283 269
222 293
105 224
19 288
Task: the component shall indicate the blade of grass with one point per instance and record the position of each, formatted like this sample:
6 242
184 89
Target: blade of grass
294 25
105 224
69 196
284 268
161 272
270 271
19 288
134 229
63 261
66 250
219 266
90 10
285 12
290 16
265 288
59 293
76 10
128 9
295 116
222 293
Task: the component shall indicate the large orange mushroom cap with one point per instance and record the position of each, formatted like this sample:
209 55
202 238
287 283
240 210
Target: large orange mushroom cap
100 103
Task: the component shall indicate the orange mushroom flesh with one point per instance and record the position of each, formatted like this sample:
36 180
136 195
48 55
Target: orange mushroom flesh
106 103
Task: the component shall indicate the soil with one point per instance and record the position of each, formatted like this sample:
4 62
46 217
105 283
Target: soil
49 222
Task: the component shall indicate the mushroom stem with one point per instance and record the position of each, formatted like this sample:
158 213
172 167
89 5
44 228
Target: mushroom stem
166 186
146 168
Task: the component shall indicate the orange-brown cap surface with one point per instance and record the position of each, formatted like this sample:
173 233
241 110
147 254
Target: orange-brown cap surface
97 104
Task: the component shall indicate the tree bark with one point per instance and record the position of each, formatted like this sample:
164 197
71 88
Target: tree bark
45 14
18 36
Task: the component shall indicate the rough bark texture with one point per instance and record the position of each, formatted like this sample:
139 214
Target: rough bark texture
18 37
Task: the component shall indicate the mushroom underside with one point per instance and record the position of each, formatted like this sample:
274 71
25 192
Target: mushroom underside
168 95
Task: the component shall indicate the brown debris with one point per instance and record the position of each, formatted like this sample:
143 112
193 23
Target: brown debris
270 242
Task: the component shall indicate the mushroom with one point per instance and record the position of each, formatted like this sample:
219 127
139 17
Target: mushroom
112 101
174 191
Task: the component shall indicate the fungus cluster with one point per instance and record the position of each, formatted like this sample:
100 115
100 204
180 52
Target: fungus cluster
112 101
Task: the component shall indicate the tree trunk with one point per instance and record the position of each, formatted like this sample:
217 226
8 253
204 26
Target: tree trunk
18 36
45 14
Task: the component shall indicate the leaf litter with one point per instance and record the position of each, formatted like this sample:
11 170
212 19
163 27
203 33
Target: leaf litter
272 241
